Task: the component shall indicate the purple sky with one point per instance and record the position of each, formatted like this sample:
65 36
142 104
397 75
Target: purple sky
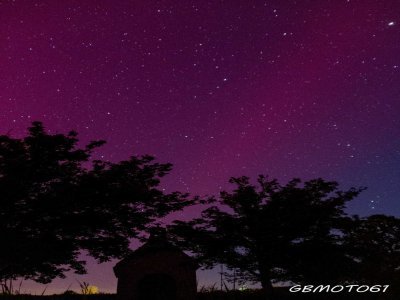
218 88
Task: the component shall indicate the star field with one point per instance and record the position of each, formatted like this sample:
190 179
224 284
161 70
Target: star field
218 88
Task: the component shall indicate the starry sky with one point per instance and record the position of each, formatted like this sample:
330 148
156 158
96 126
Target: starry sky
218 88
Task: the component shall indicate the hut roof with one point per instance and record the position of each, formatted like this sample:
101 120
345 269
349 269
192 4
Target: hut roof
156 243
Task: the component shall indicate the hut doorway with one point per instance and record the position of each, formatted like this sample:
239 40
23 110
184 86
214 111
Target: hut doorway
156 287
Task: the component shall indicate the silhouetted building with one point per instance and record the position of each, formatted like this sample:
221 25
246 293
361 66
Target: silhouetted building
157 271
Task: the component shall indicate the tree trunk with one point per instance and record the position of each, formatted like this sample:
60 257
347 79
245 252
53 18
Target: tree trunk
268 289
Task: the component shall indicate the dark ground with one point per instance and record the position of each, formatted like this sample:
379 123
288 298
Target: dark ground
281 294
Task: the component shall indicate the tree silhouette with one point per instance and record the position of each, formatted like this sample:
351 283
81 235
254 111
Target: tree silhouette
266 232
374 246
55 201
367 251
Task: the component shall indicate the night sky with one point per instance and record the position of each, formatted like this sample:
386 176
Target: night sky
218 88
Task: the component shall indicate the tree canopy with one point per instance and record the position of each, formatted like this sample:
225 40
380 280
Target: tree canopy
268 232
56 201
373 243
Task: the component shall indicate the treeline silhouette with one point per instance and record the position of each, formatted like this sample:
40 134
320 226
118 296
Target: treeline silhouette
56 201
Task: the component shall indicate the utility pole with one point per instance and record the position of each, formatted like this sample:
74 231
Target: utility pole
221 273
234 279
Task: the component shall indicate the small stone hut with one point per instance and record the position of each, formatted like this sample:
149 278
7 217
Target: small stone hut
157 270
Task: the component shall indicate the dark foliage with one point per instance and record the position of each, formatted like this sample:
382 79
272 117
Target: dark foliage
271 232
374 245
55 202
